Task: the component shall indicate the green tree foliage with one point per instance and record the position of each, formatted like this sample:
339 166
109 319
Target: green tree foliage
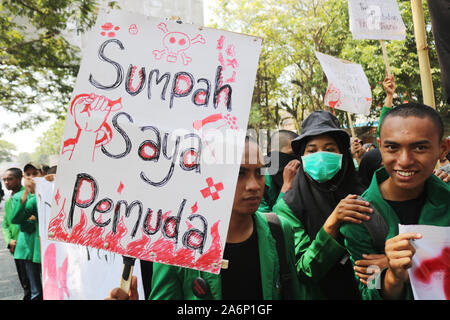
38 65
6 151
290 77
49 142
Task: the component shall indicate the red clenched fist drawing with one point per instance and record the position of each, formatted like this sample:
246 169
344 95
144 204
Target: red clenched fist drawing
90 113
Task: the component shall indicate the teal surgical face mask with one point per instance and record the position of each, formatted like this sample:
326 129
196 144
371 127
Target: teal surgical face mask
322 166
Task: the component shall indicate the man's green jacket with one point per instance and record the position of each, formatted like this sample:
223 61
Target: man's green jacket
435 212
171 282
10 230
28 244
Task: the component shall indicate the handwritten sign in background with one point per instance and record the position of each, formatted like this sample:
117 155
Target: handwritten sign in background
348 87
376 19
139 173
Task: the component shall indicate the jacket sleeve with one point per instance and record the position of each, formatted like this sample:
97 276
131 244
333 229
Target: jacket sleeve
270 196
383 112
300 290
166 284
6 225
358 241
20 214
313 258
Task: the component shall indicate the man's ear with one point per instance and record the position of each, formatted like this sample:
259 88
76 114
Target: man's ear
379 142
444 148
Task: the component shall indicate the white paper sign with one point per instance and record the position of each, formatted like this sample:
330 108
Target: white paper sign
348 87
430 272
153 140
71 272
376 19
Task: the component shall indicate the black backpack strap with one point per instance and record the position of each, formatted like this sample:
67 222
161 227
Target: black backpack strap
285 275
377 228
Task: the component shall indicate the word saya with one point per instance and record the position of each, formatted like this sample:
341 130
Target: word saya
150 150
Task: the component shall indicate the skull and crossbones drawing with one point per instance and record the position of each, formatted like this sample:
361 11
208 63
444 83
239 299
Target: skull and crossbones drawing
175 44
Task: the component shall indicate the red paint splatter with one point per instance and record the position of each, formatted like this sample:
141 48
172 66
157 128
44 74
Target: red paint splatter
428 267
57 197
107 26
194 208
220 43
120 188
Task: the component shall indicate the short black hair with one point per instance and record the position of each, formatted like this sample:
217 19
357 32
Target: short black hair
16 172
418 110
284 138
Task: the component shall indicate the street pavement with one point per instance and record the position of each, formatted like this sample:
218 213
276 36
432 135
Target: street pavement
10 288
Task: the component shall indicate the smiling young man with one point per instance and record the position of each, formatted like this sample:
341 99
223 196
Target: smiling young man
404 191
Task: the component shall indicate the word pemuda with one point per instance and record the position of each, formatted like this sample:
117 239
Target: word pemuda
151 149
85 193
182 82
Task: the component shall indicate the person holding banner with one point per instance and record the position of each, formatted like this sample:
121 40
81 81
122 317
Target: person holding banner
322 198
24 213
404 191
254 269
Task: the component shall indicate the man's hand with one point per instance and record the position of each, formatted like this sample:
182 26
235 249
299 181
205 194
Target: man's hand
12 246
370 266
119 294
399 252
289 173
357 149
29 185
389 88
348 209
444 176
50 177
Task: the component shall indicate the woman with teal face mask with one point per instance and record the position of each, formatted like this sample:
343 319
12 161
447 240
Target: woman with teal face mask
323 196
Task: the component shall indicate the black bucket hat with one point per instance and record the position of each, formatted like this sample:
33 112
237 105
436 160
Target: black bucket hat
318 123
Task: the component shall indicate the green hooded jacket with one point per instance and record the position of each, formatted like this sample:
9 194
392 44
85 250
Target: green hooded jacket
175 283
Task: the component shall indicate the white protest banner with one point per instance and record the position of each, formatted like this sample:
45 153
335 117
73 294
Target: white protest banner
71 272
139 173
376 19
348 87
430 272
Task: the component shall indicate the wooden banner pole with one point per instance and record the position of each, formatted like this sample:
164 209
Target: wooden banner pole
385 57
422 53
127 272
351 124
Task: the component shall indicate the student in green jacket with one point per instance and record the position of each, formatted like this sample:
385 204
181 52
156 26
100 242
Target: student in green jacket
404 191
254 271
24 213
282 165
322 197
12 179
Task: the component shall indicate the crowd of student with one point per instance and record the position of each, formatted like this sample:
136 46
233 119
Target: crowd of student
327 248
20 226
